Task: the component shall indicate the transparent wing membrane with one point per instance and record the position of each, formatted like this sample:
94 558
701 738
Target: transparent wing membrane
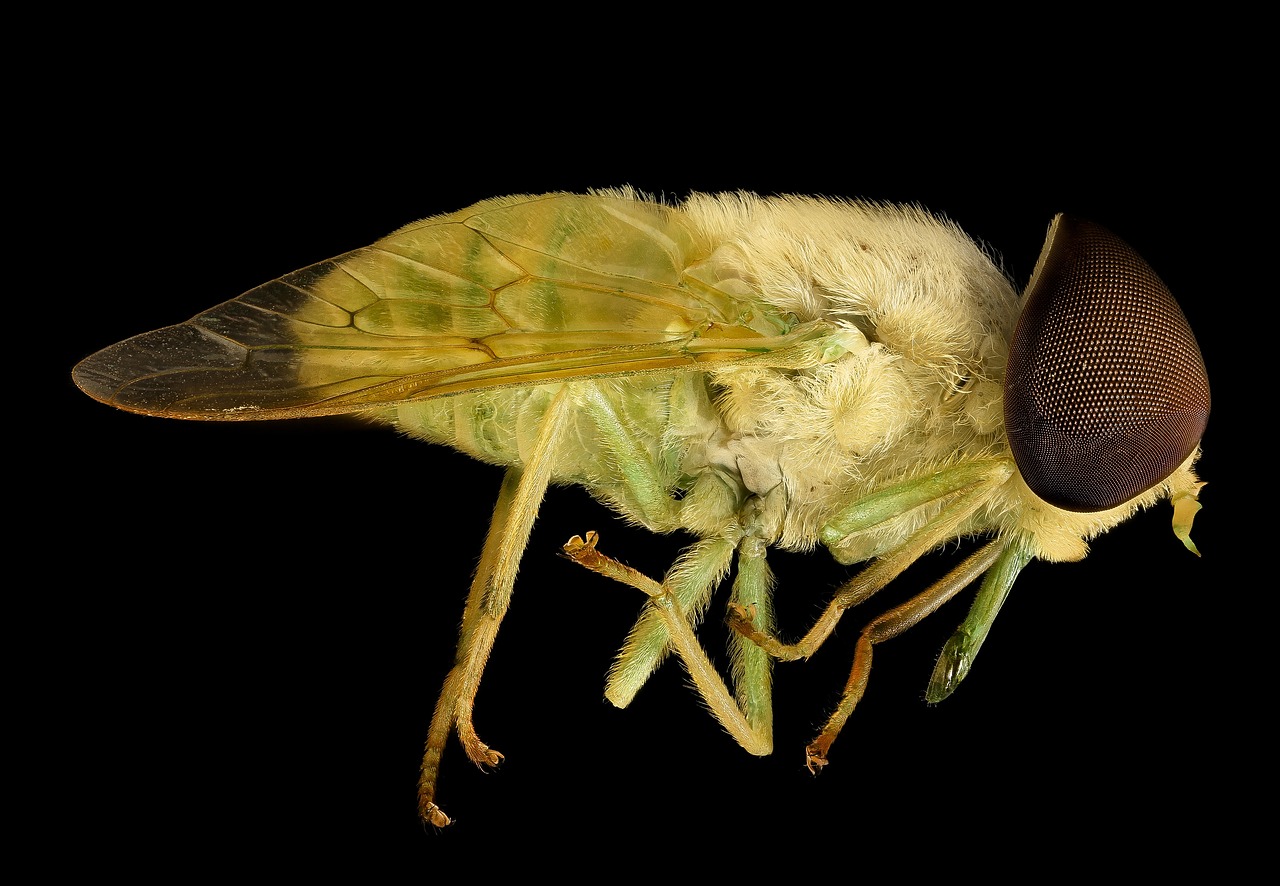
509 292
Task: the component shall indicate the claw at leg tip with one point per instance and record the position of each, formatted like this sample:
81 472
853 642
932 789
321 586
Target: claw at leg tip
434 815
814 759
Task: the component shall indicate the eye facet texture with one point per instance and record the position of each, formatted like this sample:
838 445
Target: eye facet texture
1105 391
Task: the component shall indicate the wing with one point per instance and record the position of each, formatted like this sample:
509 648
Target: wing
513 291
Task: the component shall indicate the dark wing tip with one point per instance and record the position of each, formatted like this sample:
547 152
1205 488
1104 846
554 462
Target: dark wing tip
159 372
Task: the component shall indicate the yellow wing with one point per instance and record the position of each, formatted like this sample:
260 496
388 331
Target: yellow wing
513 291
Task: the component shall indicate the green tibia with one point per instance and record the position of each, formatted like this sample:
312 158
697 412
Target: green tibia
959 652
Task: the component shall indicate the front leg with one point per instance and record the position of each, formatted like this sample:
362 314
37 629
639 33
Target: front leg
888 626
963 488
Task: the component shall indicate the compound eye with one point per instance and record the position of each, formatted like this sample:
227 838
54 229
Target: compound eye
1105 390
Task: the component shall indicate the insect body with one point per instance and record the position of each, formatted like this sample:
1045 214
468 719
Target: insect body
758 372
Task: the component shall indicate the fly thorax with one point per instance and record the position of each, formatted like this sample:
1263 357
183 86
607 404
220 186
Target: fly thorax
757 462
750 461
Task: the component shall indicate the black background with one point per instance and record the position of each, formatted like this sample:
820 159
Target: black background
253 620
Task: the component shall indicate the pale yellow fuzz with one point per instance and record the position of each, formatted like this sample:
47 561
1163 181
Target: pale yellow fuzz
755 372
